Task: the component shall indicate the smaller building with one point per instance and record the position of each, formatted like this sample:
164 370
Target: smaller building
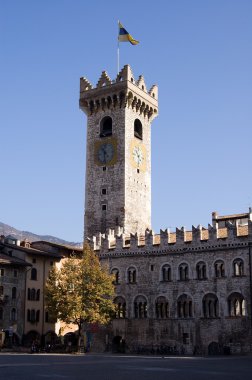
25 267
12 296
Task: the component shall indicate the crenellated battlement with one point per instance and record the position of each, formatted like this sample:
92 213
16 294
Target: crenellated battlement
124 91
179 241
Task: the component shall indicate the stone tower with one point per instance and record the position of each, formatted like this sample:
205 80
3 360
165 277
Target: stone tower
118 159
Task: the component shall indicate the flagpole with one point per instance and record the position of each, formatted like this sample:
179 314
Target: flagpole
118 52
118 57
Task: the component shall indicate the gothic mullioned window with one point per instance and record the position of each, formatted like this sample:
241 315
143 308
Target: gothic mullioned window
33 294
166 273
238 267
115 272
120 307
106 127
183 272
131 275
210 306
140 307
162 308
33 315
201 271
184 306
236 305
219 268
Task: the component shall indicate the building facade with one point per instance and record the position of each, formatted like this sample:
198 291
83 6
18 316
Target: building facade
187 291
24 269
12 296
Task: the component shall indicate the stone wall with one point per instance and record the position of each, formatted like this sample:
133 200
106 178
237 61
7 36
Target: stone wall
194 332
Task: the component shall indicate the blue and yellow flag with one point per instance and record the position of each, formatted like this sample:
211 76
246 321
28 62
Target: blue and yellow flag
124 36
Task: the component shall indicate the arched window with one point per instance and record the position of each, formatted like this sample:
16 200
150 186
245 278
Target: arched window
34 274
33 316
140 307
184 306
28 315
115 272
166 273
13 314
37 315
38 295
120 311
162 308
210 306
201 271
106 127
33 295
14 293
183 272
131 275
28 293
236 305
238 267
1 290
1 313
219 268
138 129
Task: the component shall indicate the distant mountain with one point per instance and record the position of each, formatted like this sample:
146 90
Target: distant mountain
6 230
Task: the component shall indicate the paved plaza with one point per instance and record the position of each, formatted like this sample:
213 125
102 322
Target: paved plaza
114 367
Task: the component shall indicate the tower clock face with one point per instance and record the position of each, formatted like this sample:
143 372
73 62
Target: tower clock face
138 155
105 152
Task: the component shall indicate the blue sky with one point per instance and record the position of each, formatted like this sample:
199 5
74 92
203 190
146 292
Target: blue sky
200 55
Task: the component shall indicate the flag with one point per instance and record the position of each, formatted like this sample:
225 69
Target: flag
124 36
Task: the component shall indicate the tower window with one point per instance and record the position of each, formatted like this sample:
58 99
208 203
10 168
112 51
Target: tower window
104 207
104 191
138 129
106 127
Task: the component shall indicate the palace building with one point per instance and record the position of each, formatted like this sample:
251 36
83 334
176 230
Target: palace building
183 291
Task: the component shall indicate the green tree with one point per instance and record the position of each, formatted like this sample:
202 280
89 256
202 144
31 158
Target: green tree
80 291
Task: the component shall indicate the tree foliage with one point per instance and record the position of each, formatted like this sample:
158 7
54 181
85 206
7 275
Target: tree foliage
80 291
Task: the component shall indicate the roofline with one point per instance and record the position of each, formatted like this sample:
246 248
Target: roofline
70 247
234 216
33 251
